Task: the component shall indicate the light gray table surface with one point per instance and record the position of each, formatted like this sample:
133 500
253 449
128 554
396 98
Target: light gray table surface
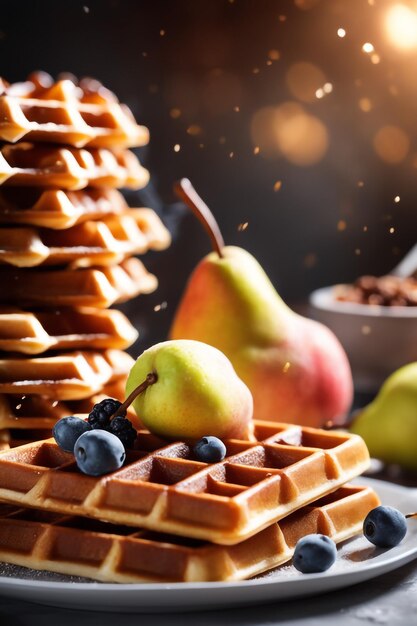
390 599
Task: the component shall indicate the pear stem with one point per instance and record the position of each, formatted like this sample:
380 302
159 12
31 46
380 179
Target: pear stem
150 379
411 515
186 192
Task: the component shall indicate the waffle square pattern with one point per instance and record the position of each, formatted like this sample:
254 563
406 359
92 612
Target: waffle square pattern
114 553
67 111
163 488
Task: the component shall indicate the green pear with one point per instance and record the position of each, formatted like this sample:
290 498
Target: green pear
389 423
295 367
195 392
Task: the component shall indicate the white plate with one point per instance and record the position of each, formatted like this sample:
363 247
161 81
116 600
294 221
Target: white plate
357 561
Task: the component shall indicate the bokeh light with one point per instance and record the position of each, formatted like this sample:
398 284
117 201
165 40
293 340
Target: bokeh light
289 131
194 130
401 26
262 131
274 55
391 144
302 138
303 80
368 48
365 105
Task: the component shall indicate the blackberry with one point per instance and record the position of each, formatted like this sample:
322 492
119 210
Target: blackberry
123 429
101 413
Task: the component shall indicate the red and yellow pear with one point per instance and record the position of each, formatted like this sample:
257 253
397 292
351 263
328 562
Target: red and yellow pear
295 367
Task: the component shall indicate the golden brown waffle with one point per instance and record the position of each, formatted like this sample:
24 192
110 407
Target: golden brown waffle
104 242
55 208
63 112
69 376
76 287
41 412
166 489
34 165
69 329
28 418
94 549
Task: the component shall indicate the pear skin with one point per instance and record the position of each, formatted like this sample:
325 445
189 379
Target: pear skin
295 368
389 423
197 393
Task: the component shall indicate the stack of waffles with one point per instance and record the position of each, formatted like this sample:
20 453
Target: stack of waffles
165 516
67 241
67 246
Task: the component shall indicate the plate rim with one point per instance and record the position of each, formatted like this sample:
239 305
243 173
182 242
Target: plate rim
85 587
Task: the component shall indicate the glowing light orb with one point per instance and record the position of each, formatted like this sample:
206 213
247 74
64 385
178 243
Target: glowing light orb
262 131
303 80
401 27
368 48
365 105
274 55
289 131
302 138
391 144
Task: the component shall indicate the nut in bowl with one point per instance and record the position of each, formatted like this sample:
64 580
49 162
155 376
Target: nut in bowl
378 333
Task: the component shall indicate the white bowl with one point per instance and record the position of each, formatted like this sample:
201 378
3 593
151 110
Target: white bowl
377 339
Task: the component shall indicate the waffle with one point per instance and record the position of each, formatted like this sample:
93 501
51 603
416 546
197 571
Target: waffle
57 209
32 417
69 376
34 165
104 242
163 488
69 329
37 411
76 287
63 112
94 549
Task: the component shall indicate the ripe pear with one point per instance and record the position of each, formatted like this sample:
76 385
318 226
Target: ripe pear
195 392
389 423
295 367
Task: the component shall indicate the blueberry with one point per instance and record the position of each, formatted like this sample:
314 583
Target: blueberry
122 428
67 430
99 452
314 553
385 526
99 416
210 450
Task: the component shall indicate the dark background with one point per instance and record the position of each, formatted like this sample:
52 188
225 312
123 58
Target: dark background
196 72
